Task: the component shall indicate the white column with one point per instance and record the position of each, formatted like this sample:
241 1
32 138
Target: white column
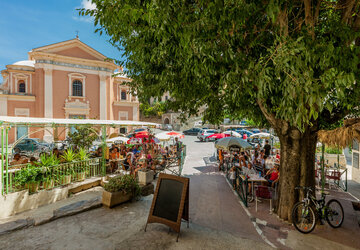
30 90
103 97
135 114
48 102
48 94
3 106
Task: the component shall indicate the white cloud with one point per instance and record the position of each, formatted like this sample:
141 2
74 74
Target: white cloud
87 4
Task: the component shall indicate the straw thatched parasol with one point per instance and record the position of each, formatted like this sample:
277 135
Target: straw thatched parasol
342 136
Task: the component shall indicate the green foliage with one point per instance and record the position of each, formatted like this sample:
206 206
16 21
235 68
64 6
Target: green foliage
158 109
83 137
123 183
330 150
83 154
69 155
28 174
239 57
333 150
48 160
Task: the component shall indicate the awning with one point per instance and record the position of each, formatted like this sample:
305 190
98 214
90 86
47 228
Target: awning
32 121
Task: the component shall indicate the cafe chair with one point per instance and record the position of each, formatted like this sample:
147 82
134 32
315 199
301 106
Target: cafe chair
334 176
265 193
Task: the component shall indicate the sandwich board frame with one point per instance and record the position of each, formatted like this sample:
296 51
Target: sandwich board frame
183 211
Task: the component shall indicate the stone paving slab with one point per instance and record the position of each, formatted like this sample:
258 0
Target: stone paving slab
77 207
15 225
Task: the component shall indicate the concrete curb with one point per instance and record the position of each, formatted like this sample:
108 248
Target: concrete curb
68 210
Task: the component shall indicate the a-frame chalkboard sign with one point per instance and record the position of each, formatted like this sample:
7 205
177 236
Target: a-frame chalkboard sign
171 202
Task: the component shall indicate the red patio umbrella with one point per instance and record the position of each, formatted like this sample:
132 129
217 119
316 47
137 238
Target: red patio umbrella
218 136
175 134
141 135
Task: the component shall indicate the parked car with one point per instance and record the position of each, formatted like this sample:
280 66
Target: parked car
167 127
255 130
244 131
192 131
205 133
32 144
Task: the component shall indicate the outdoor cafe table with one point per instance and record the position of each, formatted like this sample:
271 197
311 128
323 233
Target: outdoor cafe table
253 178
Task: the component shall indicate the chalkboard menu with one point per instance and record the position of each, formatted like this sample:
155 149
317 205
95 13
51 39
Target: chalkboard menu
167 203
171 202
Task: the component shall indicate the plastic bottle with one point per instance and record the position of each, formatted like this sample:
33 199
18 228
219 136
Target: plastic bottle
259 174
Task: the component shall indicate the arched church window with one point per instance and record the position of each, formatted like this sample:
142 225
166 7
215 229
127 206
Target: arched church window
77 88
22 87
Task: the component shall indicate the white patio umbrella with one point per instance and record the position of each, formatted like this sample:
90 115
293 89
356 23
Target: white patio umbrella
117 139
232 133
165 136
261 135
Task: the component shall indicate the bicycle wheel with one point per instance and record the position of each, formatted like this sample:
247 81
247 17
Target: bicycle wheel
335 213
303 218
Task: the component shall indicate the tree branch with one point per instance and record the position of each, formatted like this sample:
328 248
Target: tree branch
309 18
269 116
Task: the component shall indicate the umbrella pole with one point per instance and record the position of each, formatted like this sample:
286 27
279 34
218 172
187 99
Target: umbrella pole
322 167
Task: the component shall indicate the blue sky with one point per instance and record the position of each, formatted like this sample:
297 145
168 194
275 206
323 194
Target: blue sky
28 24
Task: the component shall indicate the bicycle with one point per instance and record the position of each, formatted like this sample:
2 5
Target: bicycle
304 217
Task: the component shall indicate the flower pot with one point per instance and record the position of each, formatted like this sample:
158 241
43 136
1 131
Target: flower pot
49 184
80 176
65 179
32 186
146 177
111 199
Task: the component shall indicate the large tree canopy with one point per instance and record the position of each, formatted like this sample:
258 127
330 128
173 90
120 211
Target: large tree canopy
293 64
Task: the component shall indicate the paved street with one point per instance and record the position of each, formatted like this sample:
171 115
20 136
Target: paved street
217 219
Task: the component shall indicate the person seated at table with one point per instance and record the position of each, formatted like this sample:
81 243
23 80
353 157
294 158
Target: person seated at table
254 159
128 165
141 160
114 157
242 160
249 170
277 155
273 175
236 161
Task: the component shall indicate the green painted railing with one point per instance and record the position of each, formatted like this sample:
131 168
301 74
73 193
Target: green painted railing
47 177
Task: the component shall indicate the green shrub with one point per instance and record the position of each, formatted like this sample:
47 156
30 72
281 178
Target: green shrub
123 183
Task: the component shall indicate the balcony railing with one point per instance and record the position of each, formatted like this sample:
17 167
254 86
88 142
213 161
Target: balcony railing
34 178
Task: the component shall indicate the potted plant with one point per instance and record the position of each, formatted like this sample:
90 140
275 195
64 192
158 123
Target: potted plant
48 162
145 176
29 177
69 157
120 189
79 168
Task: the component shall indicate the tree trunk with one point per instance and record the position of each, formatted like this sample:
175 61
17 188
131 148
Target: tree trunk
297 166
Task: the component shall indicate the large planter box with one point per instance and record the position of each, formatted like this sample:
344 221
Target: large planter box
48 184
32 186
112 199
146 177
80 176
65 179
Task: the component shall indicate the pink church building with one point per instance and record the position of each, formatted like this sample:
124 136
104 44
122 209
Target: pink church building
65 80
